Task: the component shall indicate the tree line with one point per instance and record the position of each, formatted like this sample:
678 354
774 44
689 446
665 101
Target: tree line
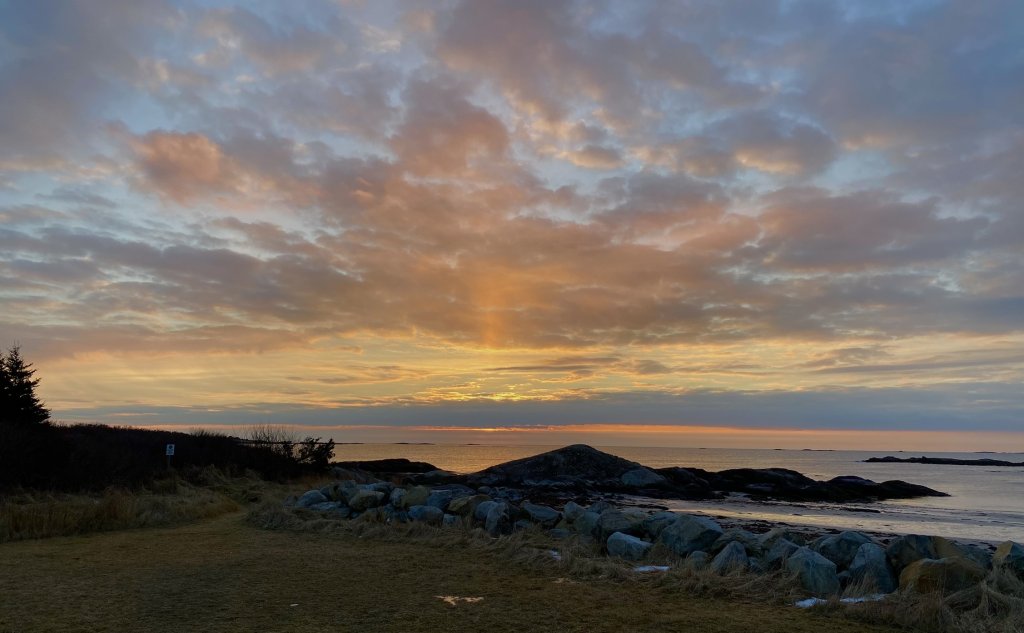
37 453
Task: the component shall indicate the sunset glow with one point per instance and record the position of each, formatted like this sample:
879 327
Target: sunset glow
769 224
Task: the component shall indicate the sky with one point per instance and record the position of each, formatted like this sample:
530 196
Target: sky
773 223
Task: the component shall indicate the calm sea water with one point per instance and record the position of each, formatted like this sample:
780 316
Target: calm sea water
986 503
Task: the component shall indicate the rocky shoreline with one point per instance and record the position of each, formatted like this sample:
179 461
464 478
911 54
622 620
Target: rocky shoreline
560 492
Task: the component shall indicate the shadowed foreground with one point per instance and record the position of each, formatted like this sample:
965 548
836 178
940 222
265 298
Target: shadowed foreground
222 575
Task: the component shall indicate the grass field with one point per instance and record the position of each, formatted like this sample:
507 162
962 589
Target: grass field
224 575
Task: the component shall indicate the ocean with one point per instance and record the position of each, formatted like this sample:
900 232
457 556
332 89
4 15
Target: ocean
986 503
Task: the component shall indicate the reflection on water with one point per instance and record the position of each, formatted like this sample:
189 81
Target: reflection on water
986 503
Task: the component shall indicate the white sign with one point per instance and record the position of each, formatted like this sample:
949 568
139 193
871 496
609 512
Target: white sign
170 450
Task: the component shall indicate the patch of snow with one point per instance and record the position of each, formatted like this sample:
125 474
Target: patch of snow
810 602
645 569
454 600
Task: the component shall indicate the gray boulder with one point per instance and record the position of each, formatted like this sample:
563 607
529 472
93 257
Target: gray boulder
629 522
748 540
779 552
339 490
945 548
466 505
572 511
871 571
733 557
627 546
334 509
543 515
415 496
586 525
769 538
396 496
698 559
427 514
482 508
1010 555
841 548
440 498
600 507
451 520
907 549
816 573
641 478
559 534
498 521
941 575
310 499
690 534
654 524
365 499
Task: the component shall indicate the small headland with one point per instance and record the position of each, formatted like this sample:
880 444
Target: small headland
943 461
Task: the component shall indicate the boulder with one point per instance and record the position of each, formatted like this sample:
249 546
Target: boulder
394 515
871 571
440 498
655 523
451 520
841 548
816 573
573 511
943 575
497 521
426 514
1010 555
779 552
620 521
697 560
769 538
945 548
733 557
396 497
906 549
586 525
627 546
747 539
415 496
690 534
482 508
642 478
466 506
600 507
334 509
365 499
339 490
310 499
522 524
545 516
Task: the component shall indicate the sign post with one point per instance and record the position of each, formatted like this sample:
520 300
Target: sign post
170 453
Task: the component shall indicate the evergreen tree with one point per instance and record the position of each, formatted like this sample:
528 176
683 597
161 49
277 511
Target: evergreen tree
19 403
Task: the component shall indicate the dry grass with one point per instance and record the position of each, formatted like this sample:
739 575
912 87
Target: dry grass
168 501
995 606
227 575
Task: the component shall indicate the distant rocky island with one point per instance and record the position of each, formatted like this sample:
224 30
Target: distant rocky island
946 461
577 470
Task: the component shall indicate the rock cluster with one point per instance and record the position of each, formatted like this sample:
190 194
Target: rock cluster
580 469
849 560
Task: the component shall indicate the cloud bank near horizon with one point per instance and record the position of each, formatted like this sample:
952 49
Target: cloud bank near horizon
785 214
